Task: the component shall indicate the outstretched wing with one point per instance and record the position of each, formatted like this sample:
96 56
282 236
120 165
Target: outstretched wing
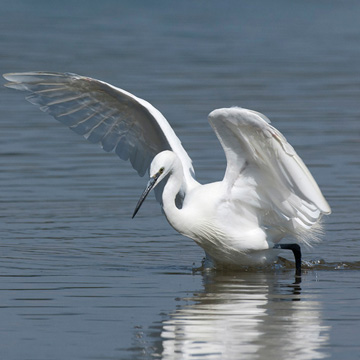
104 114
264 171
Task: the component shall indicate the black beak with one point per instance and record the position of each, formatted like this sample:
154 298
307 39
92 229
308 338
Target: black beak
148 188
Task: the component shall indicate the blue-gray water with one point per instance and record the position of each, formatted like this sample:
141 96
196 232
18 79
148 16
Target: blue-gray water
78 278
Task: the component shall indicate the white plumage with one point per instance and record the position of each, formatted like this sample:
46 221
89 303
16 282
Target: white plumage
267 191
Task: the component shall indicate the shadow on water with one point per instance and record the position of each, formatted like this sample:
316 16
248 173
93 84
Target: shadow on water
247 315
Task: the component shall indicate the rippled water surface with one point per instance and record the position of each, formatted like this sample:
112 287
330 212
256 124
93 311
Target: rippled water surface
78 278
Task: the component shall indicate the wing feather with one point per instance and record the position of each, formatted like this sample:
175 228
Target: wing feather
264 171
104 114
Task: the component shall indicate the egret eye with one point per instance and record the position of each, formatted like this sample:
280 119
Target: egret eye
161 170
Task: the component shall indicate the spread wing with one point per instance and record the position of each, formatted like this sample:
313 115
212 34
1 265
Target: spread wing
104 114
264 171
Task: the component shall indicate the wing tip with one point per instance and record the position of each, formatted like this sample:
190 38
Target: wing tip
246 114
224 112
326 210
11 78
6 76
34 76
15 76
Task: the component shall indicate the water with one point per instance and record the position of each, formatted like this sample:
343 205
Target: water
78 278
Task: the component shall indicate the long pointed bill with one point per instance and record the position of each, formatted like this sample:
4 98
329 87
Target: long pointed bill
148 188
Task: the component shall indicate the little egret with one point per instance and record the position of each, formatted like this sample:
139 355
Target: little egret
267 192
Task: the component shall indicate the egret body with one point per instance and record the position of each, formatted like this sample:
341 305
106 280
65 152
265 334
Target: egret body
267 192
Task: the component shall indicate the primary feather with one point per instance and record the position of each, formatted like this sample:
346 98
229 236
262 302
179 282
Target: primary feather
104 114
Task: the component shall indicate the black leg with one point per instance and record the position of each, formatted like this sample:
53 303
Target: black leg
295 248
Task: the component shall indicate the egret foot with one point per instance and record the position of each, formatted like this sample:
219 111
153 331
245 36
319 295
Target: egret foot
295 248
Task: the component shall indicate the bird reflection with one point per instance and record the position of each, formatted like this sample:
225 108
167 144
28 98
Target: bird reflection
245 316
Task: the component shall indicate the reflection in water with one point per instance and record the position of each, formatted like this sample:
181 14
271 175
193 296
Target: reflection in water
246 316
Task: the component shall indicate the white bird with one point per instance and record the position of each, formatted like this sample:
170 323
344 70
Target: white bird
267 192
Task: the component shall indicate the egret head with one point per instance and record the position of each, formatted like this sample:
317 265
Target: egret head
160 167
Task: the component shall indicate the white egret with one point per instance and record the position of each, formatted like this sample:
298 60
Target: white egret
267 192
